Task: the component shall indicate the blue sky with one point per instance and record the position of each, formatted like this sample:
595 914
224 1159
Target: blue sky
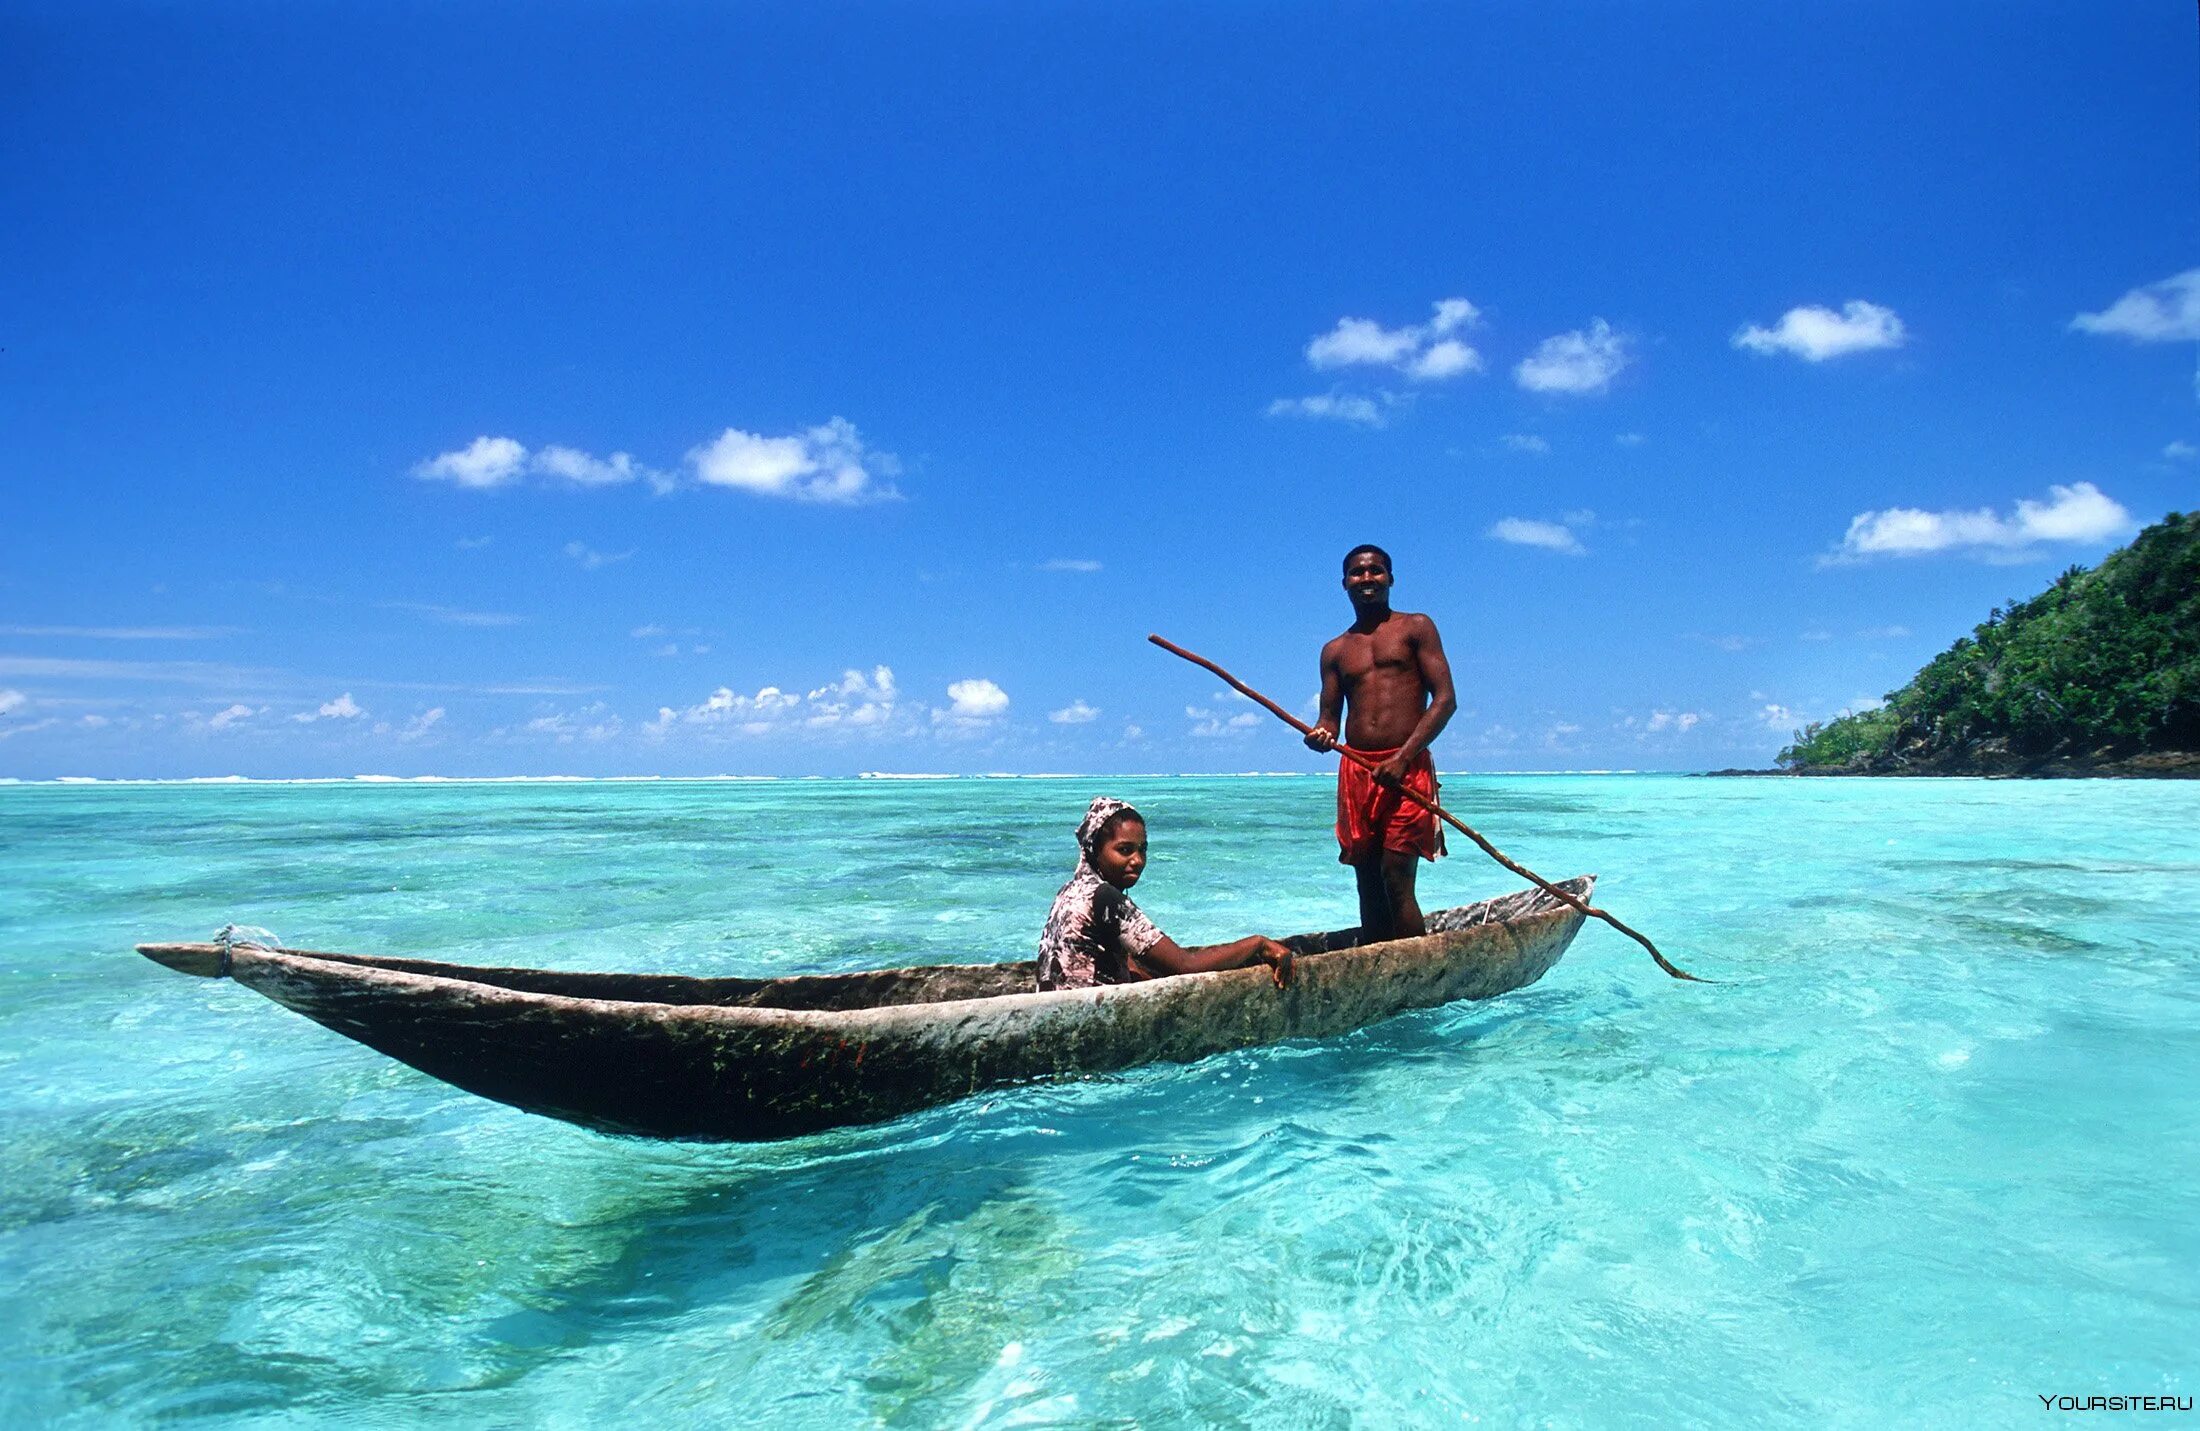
478 390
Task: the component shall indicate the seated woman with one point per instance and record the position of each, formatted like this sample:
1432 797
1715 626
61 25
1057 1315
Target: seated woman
1095 935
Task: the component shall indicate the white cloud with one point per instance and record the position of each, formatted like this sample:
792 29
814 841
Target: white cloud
1447 359
225 718
2164 312
37 725
2080 512
1630 439
1815 334
1884 633
1211 723
452 615
643 633
516 688
1453 314
125 633
1342 407
976 700
2077 513
1077 564
823 464
421 724
591 559
473 544
1527 442
11 701
1075 713
1583 361
485 462
1524 532
860 703
755 714
1362 340
1778 717
856 702
2181 452
1677 721
593 723
828 463
203 673
342 708
93 722
570 464
1423 351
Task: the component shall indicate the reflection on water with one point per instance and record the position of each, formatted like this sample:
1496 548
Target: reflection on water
1920 1155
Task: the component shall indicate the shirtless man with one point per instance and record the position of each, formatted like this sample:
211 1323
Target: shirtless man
1389 669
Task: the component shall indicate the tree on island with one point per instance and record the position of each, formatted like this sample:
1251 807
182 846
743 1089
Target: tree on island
2099 670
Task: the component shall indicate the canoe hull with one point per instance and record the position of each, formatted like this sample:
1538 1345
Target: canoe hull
583 1048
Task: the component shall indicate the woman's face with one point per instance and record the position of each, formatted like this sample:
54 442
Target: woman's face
1121 854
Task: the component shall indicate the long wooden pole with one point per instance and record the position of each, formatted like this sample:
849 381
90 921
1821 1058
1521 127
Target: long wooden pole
1431 806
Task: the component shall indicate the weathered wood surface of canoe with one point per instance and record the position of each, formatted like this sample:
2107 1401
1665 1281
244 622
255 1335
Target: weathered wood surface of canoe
666 1056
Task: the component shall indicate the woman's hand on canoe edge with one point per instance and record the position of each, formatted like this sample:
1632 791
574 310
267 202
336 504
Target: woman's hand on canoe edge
1278 958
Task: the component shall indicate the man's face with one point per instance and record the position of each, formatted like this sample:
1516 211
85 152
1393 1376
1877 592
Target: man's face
1367 581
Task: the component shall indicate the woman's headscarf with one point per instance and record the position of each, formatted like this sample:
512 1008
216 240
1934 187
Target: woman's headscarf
1098 816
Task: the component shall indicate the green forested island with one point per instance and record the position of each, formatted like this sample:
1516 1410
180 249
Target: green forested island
2098 674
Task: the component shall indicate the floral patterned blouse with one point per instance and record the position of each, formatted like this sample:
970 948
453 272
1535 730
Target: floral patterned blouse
1091 935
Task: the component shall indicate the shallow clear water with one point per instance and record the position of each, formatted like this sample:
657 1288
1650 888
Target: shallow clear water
1929 1153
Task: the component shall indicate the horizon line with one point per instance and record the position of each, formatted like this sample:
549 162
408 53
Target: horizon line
81 781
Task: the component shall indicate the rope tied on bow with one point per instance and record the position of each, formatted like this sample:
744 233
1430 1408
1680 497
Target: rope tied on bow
242 936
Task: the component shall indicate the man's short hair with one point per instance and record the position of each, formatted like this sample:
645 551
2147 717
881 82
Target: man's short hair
1370 547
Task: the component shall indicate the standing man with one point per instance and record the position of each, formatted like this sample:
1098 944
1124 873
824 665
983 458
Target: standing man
1388 670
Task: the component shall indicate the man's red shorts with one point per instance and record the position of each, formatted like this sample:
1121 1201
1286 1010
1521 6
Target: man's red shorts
1371 819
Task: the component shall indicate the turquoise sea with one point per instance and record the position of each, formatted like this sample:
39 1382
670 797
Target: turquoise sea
1929 1153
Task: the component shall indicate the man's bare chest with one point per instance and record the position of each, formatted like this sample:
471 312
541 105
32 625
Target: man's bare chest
1381 655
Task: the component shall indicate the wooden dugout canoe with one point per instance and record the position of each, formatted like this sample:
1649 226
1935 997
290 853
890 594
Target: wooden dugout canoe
665 1056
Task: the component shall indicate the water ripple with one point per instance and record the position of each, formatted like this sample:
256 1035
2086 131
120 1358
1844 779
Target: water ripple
1923 1153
